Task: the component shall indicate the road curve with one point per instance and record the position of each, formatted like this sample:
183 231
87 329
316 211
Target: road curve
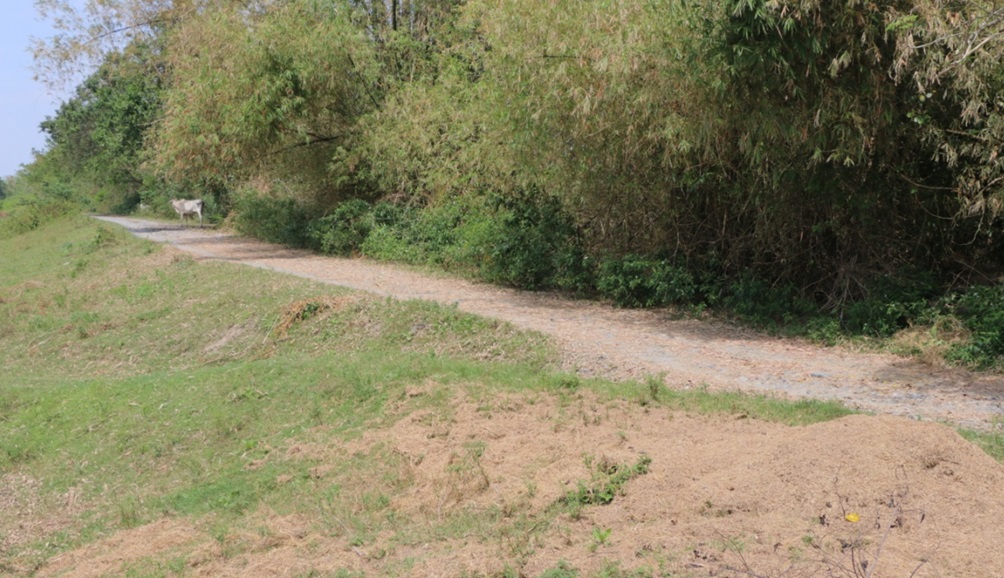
596 339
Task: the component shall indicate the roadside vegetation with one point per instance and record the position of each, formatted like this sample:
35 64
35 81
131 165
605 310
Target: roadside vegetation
827 170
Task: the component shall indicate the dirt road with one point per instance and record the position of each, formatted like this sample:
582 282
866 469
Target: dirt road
598 340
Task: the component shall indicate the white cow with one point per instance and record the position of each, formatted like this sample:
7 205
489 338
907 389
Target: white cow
185 207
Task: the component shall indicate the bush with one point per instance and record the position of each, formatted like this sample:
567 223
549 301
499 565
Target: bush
981 309
893 303
273 219
523 239
415 236
28 214
429 235
344 230
765 304
637 281
533 244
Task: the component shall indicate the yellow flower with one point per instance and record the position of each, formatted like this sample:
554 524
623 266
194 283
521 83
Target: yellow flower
852 517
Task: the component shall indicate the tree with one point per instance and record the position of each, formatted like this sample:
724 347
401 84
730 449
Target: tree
952 53
86 32
265 94
99 135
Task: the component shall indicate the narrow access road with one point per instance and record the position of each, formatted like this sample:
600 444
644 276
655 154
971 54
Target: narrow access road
596 339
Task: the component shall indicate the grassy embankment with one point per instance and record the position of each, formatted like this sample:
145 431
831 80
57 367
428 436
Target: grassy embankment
138 383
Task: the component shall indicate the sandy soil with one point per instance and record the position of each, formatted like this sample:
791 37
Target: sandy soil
724 496
597 339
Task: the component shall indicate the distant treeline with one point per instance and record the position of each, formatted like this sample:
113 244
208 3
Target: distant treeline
782 156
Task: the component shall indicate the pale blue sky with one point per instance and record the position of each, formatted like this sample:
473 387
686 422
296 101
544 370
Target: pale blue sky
24 103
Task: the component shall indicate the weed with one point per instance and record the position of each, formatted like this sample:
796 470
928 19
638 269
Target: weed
569 382
520 538
608 480
304 309
991 442
343 231
655 386
732 544
129 513
561 570
612 569
104 237
709 509
600 536
531 489
466 474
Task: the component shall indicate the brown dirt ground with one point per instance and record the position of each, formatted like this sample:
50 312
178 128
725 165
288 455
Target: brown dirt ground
724 496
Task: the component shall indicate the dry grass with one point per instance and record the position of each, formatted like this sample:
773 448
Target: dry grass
305 309
930 343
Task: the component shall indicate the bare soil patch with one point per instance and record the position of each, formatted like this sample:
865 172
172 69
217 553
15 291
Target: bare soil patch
724 496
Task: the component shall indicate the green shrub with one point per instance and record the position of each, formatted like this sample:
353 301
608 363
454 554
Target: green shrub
428 235
273 219
764 304
638 281
28 214
435 228
893 303
523 239
412 235
391 243
981 309
344 230
533 243
448 233
386 214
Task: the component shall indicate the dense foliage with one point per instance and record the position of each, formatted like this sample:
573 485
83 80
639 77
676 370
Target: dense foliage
779 157
97 138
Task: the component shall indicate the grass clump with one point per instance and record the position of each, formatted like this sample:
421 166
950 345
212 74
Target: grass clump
990 442
608 479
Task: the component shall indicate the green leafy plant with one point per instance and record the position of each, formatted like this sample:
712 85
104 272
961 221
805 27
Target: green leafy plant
982 311
636 281
533 243
600 537
561 570
607 482
276 219
344 230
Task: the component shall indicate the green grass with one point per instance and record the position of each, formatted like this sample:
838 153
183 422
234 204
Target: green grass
990 442
146 383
